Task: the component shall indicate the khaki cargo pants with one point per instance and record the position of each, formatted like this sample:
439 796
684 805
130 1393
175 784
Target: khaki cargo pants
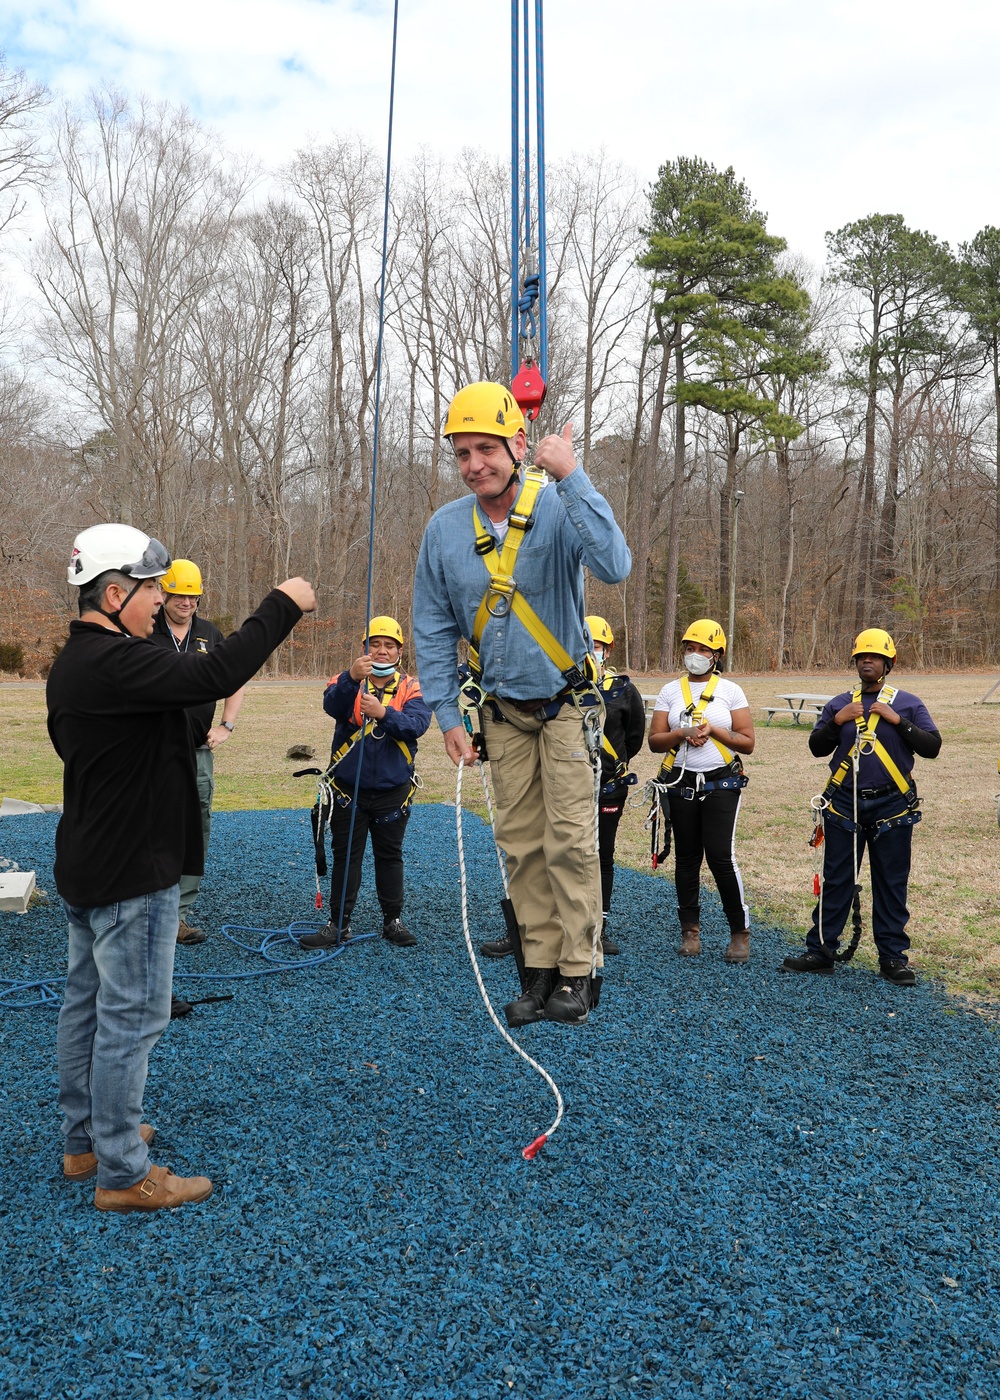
544 788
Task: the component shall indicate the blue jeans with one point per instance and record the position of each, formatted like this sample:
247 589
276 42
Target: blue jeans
116 1006
889 855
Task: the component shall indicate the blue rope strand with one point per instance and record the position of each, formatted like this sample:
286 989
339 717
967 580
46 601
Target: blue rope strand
375 441
543 323
515 183
526 37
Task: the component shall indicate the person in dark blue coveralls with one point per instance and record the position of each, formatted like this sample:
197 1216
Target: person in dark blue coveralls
873 734
377 694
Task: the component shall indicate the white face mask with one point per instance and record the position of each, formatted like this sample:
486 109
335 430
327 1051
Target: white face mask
697 665
599 655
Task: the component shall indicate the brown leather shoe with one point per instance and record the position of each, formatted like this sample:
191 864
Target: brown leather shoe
187 933
739 948
81 1166
161 1190
690 941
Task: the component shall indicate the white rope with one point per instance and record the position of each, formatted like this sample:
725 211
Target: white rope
533 1147
501 857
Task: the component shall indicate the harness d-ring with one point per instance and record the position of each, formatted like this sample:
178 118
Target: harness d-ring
497 604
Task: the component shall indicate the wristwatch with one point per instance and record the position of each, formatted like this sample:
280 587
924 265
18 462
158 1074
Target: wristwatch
226 724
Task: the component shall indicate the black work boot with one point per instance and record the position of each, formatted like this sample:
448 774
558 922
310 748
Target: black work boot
608 945
570 1002
809 962
530 1005
894 970
326 937
395 931
497 947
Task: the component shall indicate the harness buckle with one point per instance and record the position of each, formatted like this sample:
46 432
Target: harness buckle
500 595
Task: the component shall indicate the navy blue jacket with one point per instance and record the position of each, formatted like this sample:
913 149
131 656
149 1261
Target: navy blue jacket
383 763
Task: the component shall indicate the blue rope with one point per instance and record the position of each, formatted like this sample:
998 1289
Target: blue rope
43 987
527 324
270 948
543 320
515 184
526 33
375 441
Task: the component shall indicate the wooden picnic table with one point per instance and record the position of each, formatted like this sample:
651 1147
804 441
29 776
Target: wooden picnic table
799 704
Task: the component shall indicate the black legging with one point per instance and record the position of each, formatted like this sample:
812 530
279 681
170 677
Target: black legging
703 829
387 850
609 815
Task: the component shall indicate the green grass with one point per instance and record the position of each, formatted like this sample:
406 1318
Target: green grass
955 907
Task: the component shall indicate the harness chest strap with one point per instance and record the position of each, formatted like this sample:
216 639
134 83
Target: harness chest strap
503 595
697 713
867 742
391 692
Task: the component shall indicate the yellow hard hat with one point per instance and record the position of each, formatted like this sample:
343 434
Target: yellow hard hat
706 632
876 642
600 630
484 408
183 578
384 627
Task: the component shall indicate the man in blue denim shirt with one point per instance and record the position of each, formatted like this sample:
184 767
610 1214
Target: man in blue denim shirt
538 756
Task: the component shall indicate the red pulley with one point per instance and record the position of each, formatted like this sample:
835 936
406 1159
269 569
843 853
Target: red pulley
528 389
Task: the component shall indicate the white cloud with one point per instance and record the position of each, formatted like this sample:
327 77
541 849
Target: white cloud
829 109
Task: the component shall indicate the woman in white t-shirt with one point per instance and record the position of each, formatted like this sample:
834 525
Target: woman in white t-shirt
702 723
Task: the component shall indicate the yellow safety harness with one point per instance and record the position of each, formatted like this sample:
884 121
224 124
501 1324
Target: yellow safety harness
503 595
694 712
868 742
349 743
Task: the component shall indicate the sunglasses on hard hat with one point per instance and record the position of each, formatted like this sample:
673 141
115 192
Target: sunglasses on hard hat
155 560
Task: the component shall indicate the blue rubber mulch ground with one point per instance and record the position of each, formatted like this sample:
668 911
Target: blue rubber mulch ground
765 1185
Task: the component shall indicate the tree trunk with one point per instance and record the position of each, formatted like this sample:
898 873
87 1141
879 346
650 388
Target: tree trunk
866 518
885 547
996 492
640 607
676 513
787 543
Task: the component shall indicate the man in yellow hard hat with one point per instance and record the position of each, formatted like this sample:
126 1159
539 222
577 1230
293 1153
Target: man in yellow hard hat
178 628
378 694
505 572
873 733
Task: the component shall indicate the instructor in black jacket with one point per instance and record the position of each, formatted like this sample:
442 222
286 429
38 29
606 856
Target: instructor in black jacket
131 825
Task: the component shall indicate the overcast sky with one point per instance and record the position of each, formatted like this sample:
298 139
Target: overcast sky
829 109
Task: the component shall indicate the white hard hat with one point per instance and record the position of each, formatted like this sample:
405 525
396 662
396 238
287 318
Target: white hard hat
119 547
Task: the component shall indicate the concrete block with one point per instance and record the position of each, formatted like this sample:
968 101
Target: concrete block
16 888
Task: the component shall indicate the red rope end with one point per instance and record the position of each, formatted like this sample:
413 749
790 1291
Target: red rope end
816 886
319 900
655 863
533 1148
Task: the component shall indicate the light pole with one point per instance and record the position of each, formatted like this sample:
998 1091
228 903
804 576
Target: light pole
737 498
